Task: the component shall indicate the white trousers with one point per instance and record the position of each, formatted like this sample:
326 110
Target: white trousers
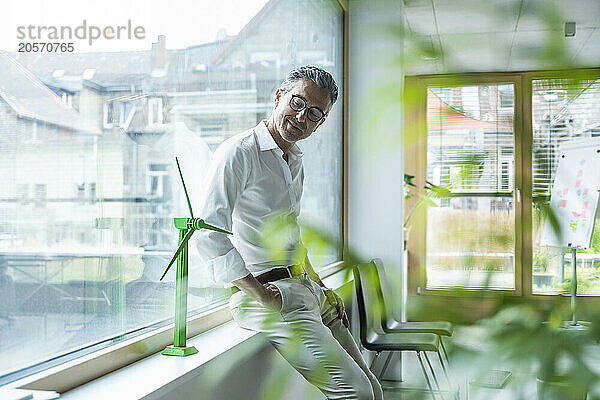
310 336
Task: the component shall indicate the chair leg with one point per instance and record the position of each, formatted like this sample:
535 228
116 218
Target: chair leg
446 365
444 350
435 380
385 364
443 365
373 361
444 370
426 375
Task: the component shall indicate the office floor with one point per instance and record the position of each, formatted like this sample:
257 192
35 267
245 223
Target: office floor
521 384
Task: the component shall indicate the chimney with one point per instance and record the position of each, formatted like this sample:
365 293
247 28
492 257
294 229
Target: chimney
159 53
221 34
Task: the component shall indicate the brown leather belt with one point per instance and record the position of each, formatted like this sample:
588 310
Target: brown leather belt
274 275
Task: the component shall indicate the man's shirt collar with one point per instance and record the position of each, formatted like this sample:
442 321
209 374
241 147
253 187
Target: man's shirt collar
266 141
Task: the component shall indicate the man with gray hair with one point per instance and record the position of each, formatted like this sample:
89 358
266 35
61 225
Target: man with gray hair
254 177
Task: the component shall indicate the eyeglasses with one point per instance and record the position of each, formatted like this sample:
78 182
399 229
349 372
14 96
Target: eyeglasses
298 103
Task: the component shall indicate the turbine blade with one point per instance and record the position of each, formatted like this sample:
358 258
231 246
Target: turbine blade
181 246
200 224
185 189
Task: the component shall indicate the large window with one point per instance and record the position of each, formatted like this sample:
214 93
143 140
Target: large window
470 152
89 182
494 142
563 111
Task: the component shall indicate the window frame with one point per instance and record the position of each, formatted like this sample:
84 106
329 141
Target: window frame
125 118
415 153
415 156
528 78
108 119
155 111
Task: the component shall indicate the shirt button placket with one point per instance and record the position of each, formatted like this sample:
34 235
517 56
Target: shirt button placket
288 179
292 195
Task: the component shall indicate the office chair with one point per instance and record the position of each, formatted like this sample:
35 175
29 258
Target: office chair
389 324
374 338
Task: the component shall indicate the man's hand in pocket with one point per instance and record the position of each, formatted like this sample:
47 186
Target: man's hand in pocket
335 300
273 301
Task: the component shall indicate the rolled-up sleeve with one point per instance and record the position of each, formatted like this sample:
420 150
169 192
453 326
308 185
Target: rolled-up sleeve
226 179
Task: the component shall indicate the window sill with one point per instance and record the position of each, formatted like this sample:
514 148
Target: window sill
161 371
99 374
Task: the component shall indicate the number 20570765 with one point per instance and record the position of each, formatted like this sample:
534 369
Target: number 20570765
49 47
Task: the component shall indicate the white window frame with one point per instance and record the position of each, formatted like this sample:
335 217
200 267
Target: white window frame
312 56
105 122
268 56
125 120
155 111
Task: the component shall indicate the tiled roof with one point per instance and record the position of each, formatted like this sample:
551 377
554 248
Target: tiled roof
75 63
30 98
116 71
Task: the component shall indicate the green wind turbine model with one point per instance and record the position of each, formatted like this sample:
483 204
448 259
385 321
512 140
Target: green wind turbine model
187 227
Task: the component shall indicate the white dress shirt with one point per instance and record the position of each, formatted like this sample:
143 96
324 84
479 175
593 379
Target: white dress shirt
248 183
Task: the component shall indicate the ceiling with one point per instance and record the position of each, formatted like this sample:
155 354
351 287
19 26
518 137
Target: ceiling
445 36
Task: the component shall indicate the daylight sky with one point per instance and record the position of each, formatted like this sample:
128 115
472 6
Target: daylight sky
183 22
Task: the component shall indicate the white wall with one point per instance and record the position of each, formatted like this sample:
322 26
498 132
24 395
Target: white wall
375 172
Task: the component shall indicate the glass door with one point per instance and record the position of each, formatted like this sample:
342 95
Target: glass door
470 230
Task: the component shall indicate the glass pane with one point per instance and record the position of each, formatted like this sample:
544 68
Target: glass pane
470 152
470 242
563 111
87 145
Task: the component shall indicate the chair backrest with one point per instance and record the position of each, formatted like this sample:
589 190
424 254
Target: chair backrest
370 300
386 290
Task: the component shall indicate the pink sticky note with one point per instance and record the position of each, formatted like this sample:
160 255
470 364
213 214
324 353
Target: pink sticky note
580 173
562 203
585 191
585 205
578 183
565 191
